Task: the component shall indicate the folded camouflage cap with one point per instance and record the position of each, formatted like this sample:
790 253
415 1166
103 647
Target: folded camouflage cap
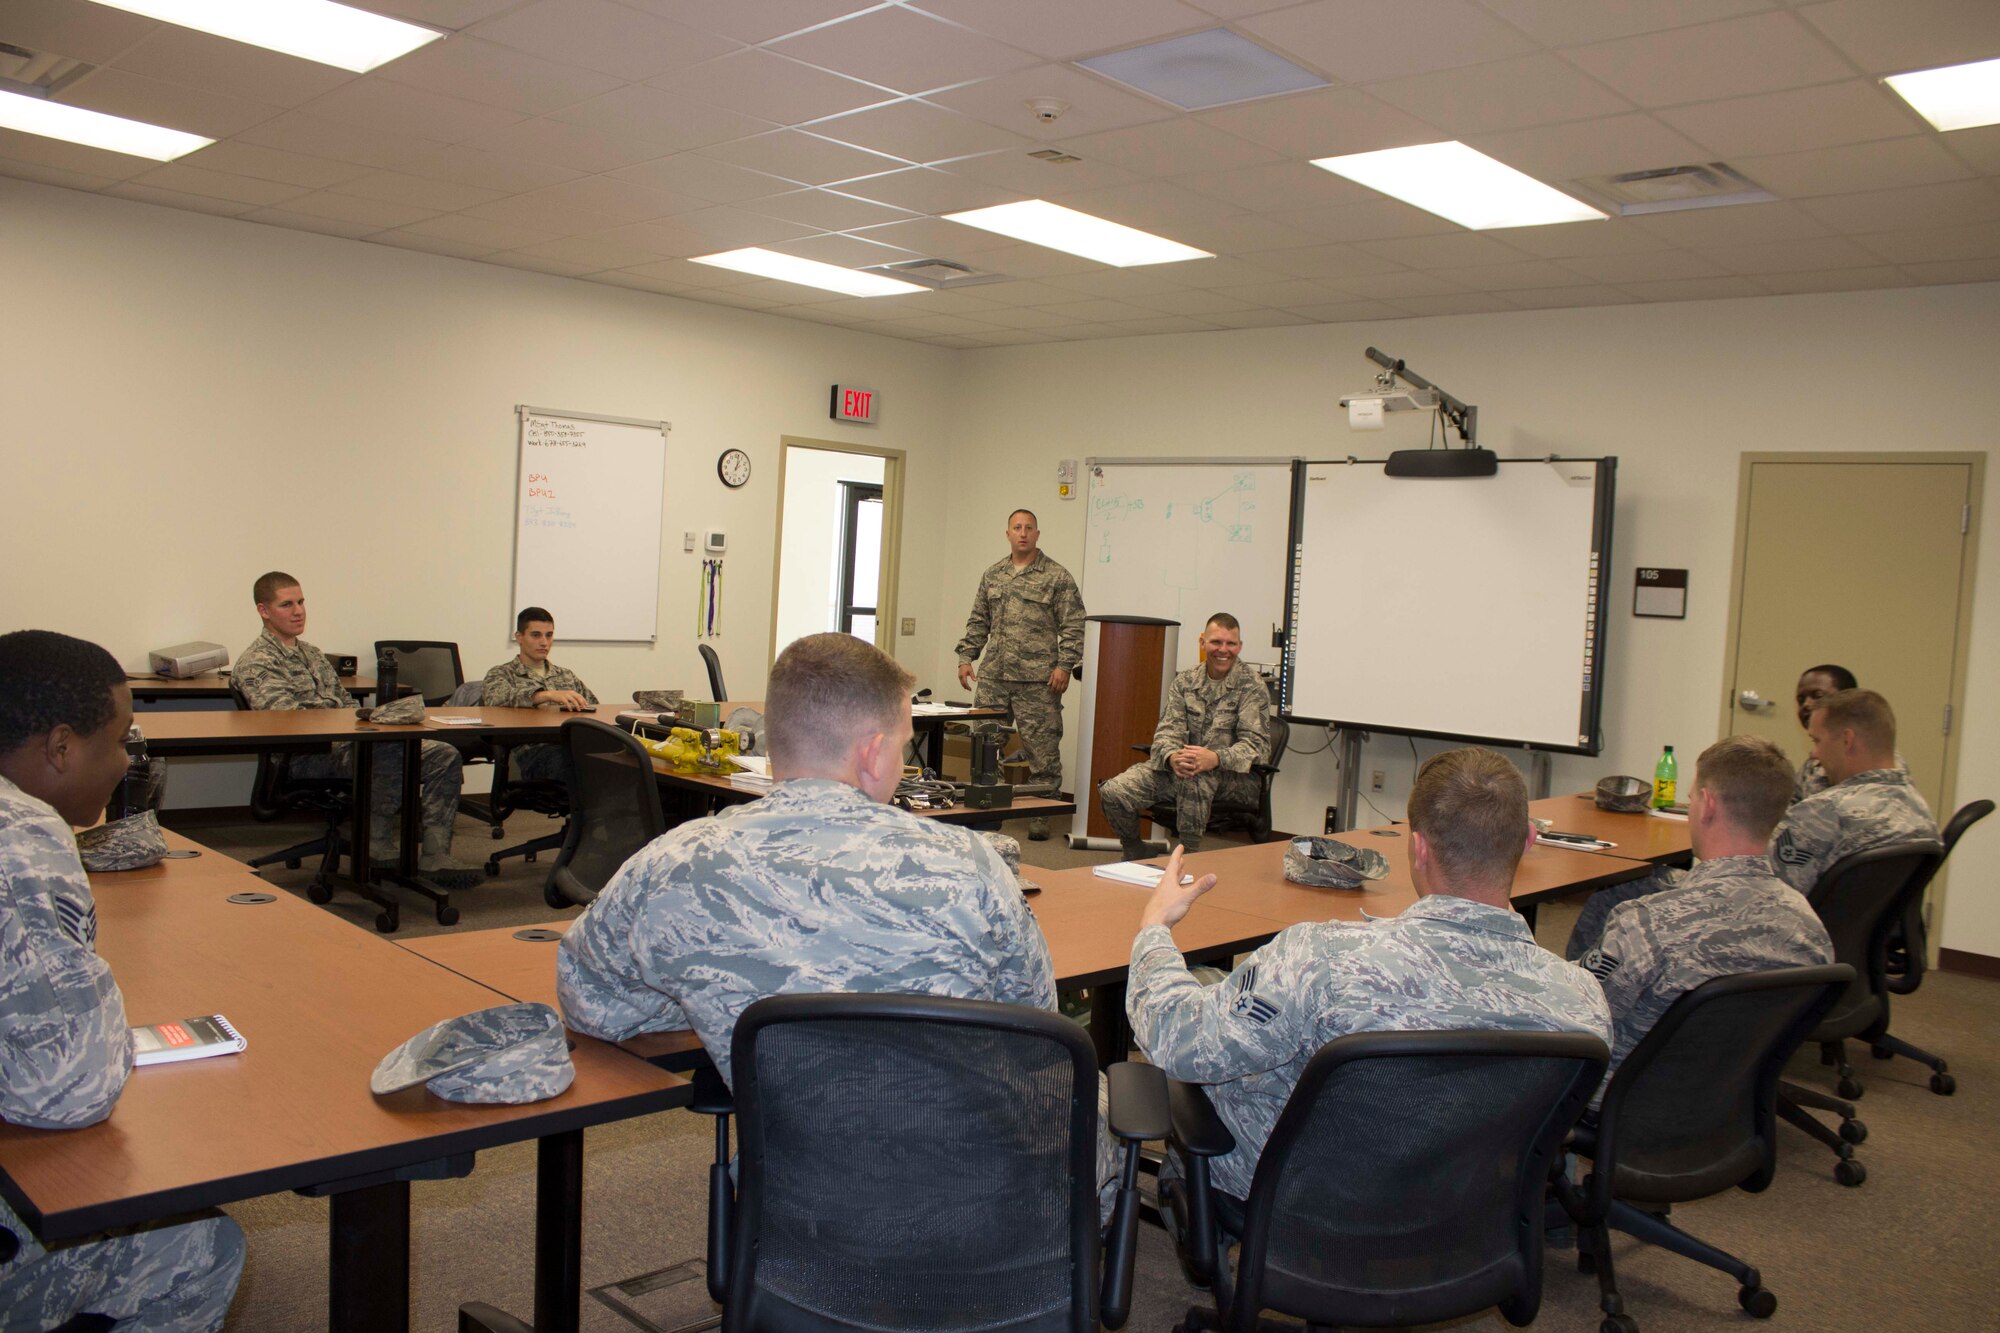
660 701
124 844
512 1053
1010 852
409 708
1329 863
1629 796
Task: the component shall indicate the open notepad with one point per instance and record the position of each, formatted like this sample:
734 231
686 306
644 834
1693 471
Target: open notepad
1134 872
189 1039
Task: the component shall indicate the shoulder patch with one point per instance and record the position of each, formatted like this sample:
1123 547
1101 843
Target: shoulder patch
1788 851
1248 1004
1599 964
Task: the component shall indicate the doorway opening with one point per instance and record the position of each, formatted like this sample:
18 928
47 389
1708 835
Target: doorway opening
839 532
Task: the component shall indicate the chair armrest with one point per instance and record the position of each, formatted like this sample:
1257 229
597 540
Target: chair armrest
1197 1130
1142 749
1264 770
1138 1097
479 1317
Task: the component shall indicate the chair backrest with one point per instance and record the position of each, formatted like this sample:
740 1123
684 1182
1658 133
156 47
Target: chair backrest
1689 1112
1859 899
714 665
430 666
264 802
1916 945
1404 1181
614 807
469 694
913 1162
1280 732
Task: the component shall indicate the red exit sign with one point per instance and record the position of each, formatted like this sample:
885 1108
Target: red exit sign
852 404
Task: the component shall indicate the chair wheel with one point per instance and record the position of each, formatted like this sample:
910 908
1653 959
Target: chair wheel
1850 1173
447 915
386 922
1881 1052
498 833
319 893
1618 1323
1850 1089
492 870
1758 1301
1943 1084
292 864
529 855
1853 1131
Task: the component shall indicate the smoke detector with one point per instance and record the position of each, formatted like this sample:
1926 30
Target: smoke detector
1048 110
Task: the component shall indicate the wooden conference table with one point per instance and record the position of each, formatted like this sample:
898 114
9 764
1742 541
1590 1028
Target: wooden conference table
320 1002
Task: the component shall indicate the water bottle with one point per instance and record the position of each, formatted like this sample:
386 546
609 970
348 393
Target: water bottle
1666 777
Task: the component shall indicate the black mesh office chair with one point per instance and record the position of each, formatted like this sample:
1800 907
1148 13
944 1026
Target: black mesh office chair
1689 1114
509 795
1251 817
1860 899
1909 947
274 794
1404 1182
614 810
917 1162
714 665
429 666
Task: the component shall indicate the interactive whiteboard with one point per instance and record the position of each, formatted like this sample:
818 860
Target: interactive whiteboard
587 522
1183 539
1465 607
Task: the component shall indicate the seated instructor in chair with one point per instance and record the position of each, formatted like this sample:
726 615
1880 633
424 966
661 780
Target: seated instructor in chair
280 670
1214 727
65 1047
530 680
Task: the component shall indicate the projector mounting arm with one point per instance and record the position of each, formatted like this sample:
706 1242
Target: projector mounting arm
1461 416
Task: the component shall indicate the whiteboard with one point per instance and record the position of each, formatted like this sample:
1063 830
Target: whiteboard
1182 540
1466 607
587 522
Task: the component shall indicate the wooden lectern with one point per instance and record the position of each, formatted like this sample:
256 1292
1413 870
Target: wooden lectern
1128 662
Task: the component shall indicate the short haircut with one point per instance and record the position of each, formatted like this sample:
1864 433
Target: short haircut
530 614
1751 777
1842 678
828 691
1224 619
269 585
52 679
1029 512
1471 806
1865 712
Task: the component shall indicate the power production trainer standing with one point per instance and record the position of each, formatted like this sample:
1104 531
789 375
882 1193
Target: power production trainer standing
1027 620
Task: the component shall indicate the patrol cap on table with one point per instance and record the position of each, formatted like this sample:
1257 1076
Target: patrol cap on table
1332 864
660 701
409 708
1623 795
511 1053
1010 852
131 843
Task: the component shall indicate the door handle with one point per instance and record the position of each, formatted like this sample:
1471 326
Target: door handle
1752 702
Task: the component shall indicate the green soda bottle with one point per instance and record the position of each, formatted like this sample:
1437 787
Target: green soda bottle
1666 777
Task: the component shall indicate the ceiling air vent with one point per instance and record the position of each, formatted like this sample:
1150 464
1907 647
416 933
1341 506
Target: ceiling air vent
1055 155
936 274
37 73
1669 189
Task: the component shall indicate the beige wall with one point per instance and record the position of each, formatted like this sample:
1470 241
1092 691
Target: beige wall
1677 392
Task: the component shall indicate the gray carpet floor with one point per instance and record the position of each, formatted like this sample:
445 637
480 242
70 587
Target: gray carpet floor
1913 1247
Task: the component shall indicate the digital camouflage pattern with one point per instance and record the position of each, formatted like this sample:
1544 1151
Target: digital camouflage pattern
272 676
1010 852
403 712
1813 780
1038 721
1446 963
130 843
1871 809
1332 864
1026 622
1230 716
65 1051
511 1053
514 684
1726 916
1597 909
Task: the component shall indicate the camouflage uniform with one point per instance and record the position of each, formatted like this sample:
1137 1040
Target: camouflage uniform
514 684
1813 779
65 1050
1227 716
273 676
1445 963
1872 809
1027 621
1728 915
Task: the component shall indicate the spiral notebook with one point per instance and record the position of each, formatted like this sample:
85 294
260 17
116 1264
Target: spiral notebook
188 1039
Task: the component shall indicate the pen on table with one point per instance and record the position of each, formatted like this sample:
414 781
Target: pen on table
1571 839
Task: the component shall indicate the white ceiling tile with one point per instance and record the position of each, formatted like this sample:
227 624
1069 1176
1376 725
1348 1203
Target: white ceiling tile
599 35
451 15
947 324
182 55
1037 178
1192 301
1853 111
1153 206
759 22
1064 30
1731 58
1558 153
1909 34
589 204
272 164
902 49
95 34
479 233
1977 148
1446 250
431 245
1457 303
1655 266
629 279
1156 324
392 108
1613 236
1176 147
826 210
683 274
1323 123
1278 187
1012 338
1399 283
44 152
217 185
1224 272
705 178
1795 256
397 188
708 230
1509 277
325 226
203 111
561 268
1920 160
928 190
1236 9
1554 298
1138 285
1256 319
805 158
1694 289
1325 261
937 238
668 118
769 86
68 180
374 213
1100 309
1574 22
1035 261
1026 317
1502 95
1355 42
495 75
1290 293
1946 204
1956 270
917 132
1740 224
593 249
192 203
1343 312
465 164
579 148
1243 234
298 132
1923 245
1094 104
1378 219
1026 295
846 251
724 296
1836 280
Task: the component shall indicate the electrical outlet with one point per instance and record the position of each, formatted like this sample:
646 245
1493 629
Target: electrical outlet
1375 780
909 624
1332 821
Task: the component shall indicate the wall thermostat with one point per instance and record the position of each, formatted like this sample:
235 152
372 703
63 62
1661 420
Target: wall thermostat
714 542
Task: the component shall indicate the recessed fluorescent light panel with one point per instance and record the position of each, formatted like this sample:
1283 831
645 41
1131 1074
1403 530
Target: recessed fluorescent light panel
808 272
319 30
1461 185
1957 97
1040 222
1204 69
94 129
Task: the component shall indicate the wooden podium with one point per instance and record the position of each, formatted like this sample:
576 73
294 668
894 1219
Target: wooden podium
1128 662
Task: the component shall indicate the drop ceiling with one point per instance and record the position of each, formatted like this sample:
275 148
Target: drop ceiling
609 142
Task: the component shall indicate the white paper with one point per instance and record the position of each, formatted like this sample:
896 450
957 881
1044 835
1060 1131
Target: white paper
1134 873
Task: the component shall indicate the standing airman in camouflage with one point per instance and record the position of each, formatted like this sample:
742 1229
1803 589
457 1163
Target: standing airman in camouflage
1213 728
1026 635
65 1048
530 680
1460 958
1870 804
281 670
1727 916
